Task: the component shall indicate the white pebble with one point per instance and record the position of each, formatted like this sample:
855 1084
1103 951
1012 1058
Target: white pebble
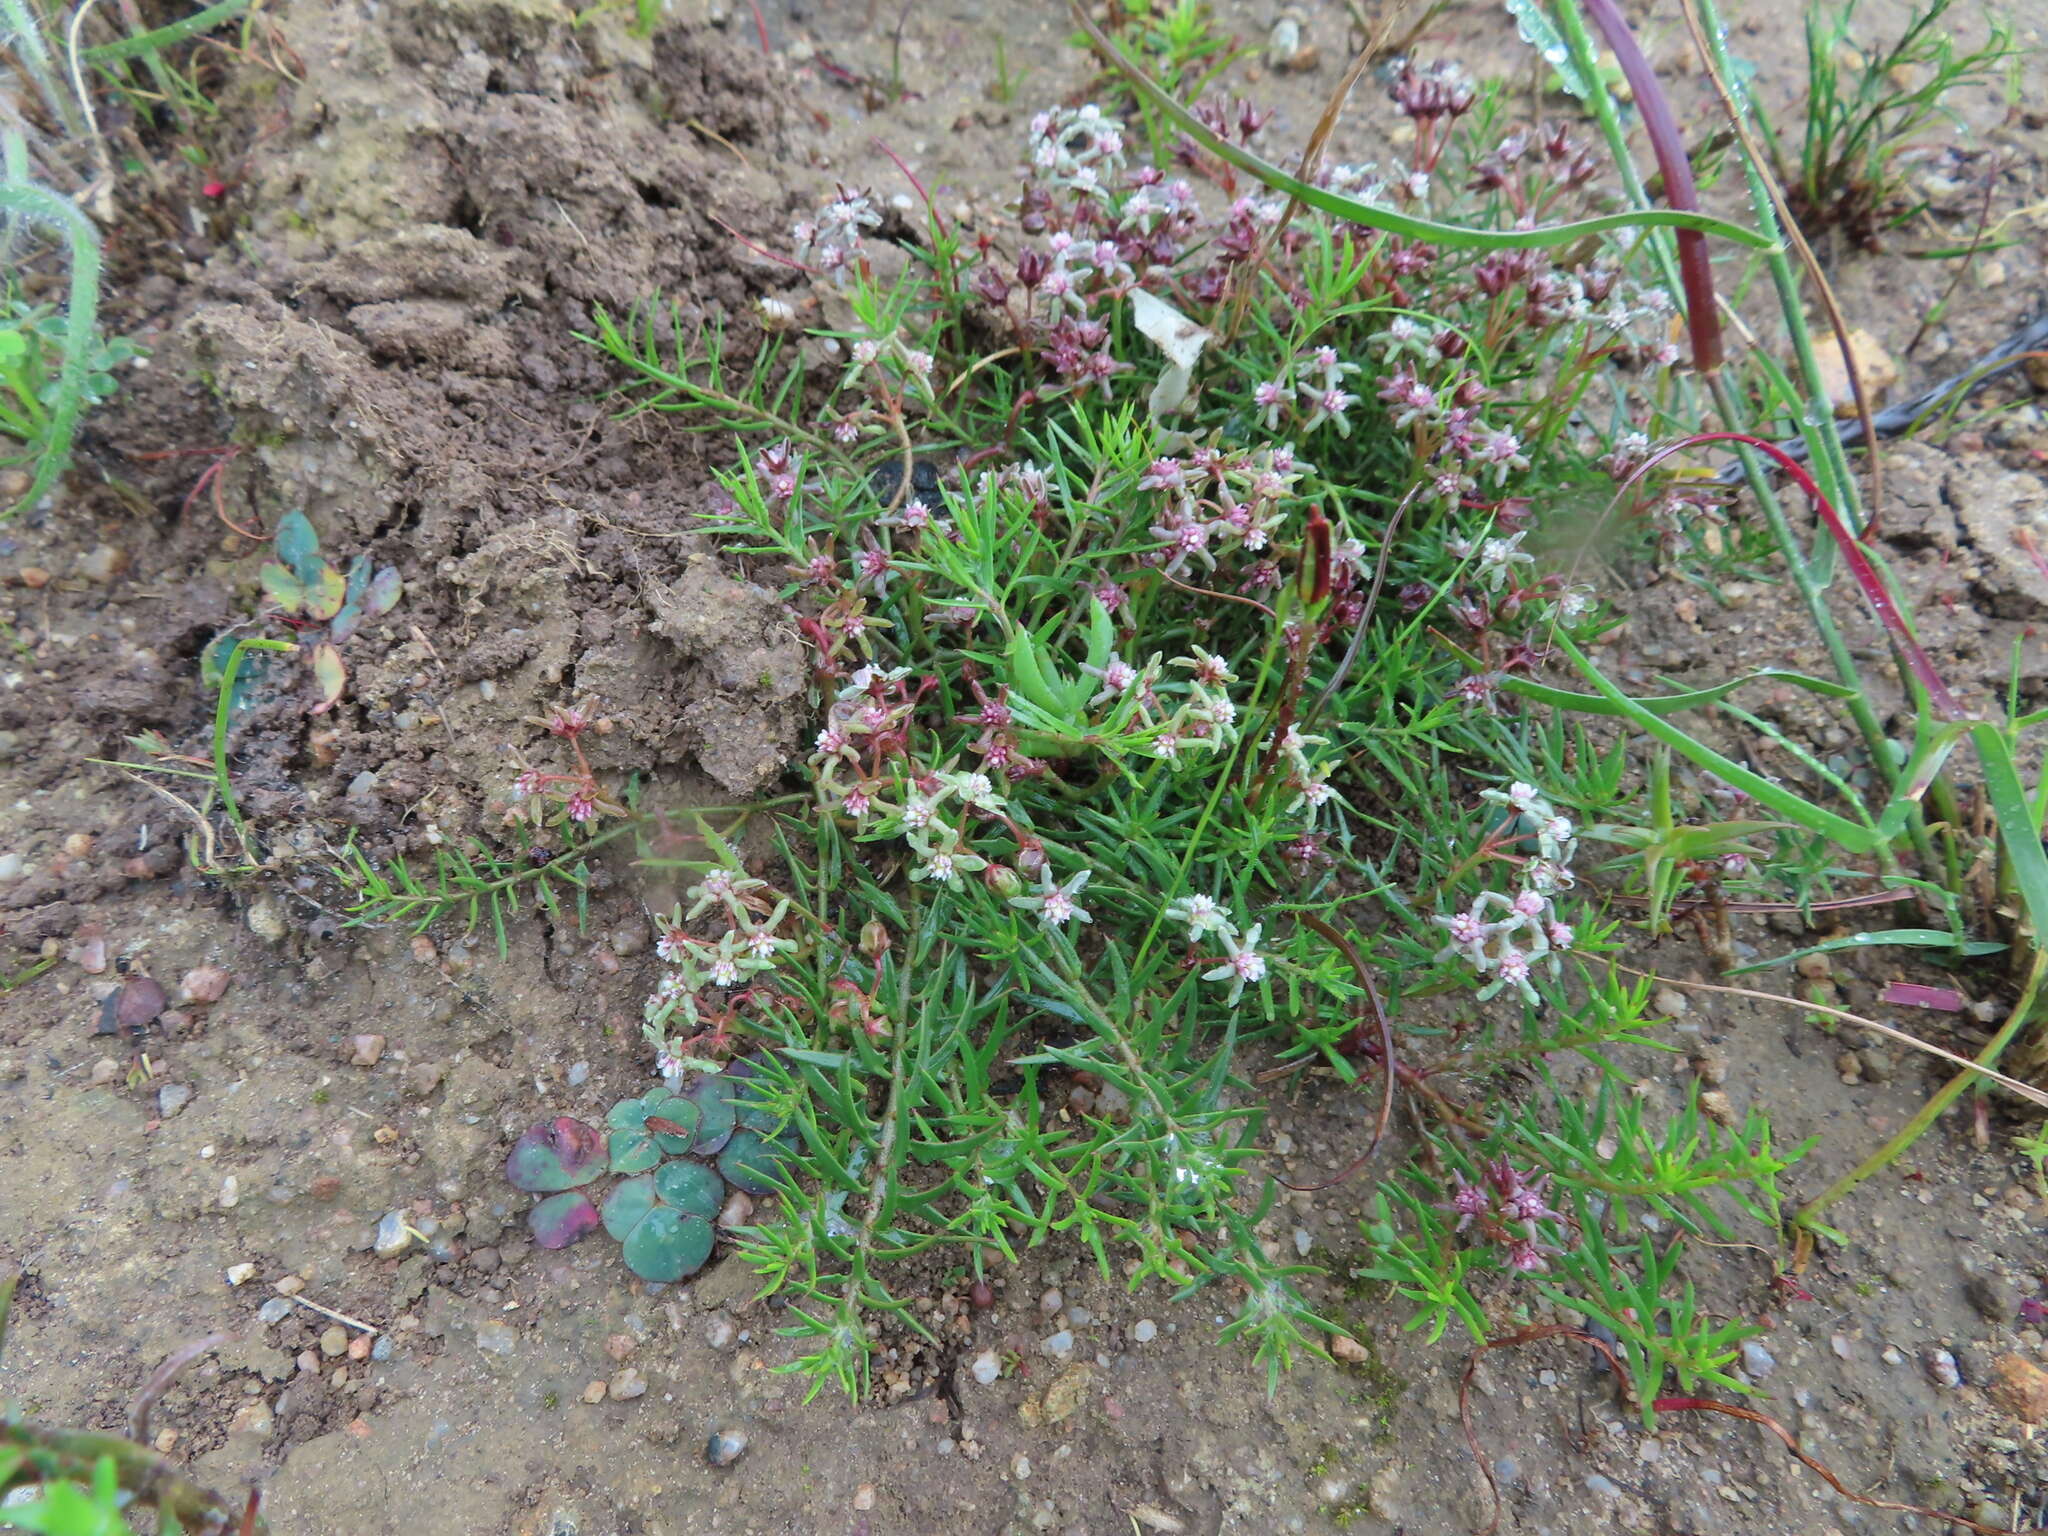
237 1273
1144 1331
1059 1345
986 1368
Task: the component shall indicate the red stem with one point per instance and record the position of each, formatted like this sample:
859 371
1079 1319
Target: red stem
1702 316
1874 589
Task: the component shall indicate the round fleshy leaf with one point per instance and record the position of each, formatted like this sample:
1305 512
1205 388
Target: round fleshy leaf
560 1219
668 1245
712 1094
674 1120
627 1204
667 1109
556 1154
633 1151
645 1129
693 1188
753 1162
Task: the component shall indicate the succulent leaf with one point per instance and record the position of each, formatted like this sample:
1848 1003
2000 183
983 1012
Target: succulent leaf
632 1152
330 675
298 546
560 1219
383 592
691 1187
281 586
627 1205
556 1154
712 1094
648 1128
668 1245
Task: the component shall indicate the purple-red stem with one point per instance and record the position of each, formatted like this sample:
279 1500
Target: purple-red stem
1702 316
1874 589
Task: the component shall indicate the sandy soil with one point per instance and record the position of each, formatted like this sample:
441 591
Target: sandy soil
380 314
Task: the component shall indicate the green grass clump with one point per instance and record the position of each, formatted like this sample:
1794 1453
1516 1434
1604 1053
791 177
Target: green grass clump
1864 108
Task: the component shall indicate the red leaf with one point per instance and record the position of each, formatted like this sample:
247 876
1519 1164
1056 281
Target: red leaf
1910 994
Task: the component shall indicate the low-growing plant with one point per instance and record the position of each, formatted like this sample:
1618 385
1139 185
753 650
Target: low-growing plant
33 385
1864 108
1134 710
674 1157
320 605
44 391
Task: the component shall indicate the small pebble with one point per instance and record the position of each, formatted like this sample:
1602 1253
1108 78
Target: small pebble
1051 1302
1839 1343
393 1236
1345 1347
290 1285
1891 1356
238 1273
1942 1369
725 1447
1603 1486
1059 1345
986 1368
1080 1317
104 1071
594 1392
381 1350
864 1496
360 1346
627 1385
171 1098
1303 1241
1757 1361
275 1310
1995 1301
495 1338
203 984
369 1050
579 1074
230 1192
1020 1466
1144 1331
267 921
334 1341
1670 1002
719 1332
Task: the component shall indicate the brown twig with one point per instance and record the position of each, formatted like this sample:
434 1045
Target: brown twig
159 1383
1386 1033
2010 1084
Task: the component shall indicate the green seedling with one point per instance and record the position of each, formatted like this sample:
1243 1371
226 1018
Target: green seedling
32 383
314 599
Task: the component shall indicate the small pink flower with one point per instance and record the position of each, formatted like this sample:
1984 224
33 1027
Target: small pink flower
581 806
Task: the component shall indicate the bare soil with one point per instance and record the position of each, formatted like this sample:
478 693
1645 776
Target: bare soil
426 200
